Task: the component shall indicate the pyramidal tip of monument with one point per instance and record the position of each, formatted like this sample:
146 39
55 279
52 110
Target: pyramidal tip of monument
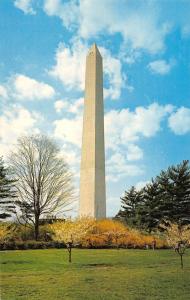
94 49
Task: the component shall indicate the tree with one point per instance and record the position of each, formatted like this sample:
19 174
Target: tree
166 198
174 185
178 237
44 183
180 192
71 232
130 205
150 212
7 193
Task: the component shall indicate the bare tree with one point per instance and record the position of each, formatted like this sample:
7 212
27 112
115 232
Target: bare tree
44 182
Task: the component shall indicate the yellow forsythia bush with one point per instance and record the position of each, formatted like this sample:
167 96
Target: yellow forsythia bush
104 233
71 231
5 232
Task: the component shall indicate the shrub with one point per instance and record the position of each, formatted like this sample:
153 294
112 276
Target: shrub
24 233
5 231
32 244
108 233
45 233
86 233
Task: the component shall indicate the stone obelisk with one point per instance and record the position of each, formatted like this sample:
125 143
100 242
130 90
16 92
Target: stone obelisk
92 175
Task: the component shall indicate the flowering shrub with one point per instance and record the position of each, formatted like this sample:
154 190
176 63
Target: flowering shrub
176 233
178 237
5 231
72 231
89 233
84 232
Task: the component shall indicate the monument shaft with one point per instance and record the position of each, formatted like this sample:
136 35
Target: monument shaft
92 176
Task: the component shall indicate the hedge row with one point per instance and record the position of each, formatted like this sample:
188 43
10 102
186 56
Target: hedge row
19 245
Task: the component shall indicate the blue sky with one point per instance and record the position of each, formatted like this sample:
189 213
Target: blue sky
146 54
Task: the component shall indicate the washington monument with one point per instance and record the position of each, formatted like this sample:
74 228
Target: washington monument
92 175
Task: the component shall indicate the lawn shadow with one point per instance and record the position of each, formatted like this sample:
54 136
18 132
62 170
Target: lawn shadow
101 265
17 262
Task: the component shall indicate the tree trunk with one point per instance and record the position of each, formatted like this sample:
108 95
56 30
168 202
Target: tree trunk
36 226
181 256
70 249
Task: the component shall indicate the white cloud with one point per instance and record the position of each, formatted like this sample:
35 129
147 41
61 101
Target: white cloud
67 11
122 130
70 68
73 107
25 6
113 72
14 122
134 152
117 167
138 22
124 126
179 121
3 92
69 130
72 156
60 105
160 66
70 65
76 107
143 25
138 26
27 88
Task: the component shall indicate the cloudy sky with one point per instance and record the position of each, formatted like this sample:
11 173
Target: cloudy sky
146 54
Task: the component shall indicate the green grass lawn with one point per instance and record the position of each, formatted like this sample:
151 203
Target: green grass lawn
94 274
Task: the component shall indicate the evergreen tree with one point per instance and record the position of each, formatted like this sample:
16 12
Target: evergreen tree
165 198
178 193
7 207
150 210
130 205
